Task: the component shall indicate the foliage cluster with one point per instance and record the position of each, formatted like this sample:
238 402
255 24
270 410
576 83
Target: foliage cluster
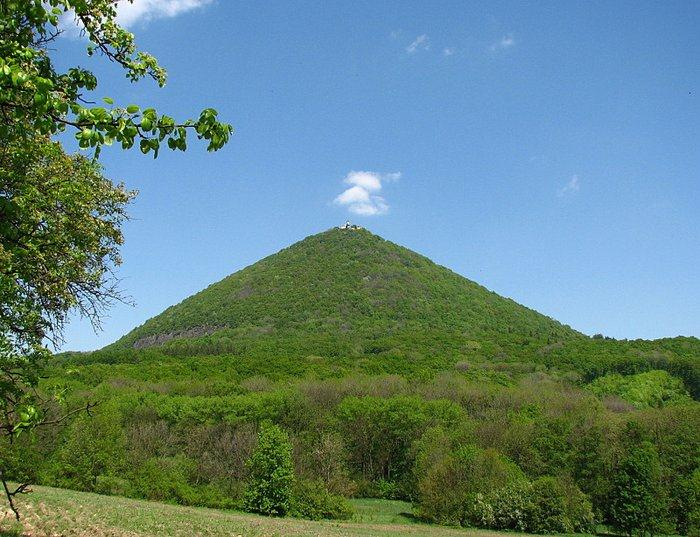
38 99
59 217
471 486
545 505
270 473
60 233
637 496
649 389
464 451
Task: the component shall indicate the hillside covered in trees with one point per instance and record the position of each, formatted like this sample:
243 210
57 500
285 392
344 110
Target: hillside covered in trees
347 366
348 300
354 291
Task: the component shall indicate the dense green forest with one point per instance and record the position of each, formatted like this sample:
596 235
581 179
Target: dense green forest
361 369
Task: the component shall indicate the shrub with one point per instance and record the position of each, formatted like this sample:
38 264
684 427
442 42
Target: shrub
380 488
92 446
694 523
448 488
271 473
434 445
685 504
113 486
312 500
655 388
505 508
441 494
546 509
578 508
387 490
215 495
166 479
21 457
547 505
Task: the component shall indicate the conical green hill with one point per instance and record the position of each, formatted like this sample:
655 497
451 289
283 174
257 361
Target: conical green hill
351 293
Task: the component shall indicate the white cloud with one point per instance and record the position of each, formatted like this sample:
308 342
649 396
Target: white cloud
140 11
369 181
375 207
448 51
422 42
353 195
129 13
570 188
362 196
504 43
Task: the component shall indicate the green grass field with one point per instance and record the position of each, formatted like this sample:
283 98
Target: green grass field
51 512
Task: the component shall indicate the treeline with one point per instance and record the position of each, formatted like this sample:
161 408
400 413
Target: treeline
598 356
418 357
536 455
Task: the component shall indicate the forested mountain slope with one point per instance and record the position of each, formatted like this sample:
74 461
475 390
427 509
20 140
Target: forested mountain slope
348 300
349 292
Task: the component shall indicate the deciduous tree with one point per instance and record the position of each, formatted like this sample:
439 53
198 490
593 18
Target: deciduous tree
270 483
60 218
636 498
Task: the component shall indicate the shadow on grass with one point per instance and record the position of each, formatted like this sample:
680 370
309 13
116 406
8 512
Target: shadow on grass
410 516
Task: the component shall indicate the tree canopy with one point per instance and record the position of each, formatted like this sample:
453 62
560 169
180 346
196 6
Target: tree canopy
60 218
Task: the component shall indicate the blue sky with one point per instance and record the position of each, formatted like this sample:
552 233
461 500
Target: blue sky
549 151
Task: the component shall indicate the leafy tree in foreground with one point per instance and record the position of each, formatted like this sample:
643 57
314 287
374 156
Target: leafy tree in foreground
636 497
60 234
270 484
687 505
35 98
59 240
59 217
95 446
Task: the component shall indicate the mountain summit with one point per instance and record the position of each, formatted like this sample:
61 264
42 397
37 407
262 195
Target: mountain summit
348 292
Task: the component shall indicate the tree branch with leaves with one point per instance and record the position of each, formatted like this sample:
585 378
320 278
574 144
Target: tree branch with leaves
60 218
35 97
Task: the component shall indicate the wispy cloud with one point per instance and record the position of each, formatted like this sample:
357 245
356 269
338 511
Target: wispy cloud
570 188
362 195
141 11
422 42
448 51
504 43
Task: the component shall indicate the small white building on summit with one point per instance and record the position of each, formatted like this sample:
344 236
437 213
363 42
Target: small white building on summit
348 225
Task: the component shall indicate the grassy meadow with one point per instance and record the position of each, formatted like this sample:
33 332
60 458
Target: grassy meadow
49 512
